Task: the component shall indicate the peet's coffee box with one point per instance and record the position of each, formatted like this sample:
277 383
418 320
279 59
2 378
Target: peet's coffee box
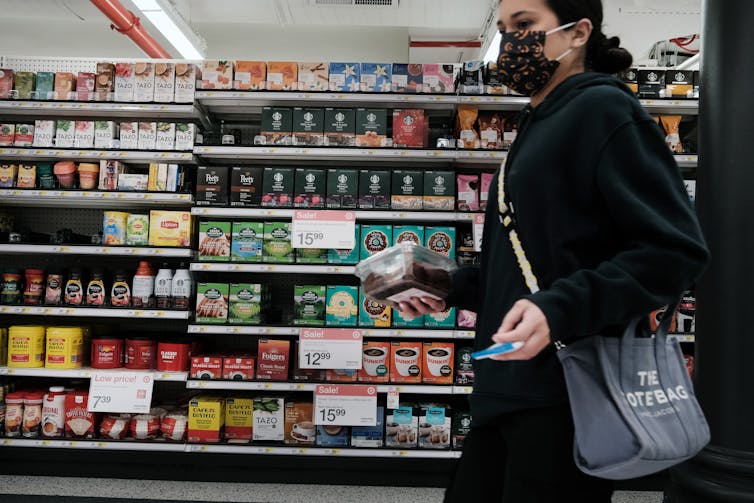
245 186
371 127
308 126
439 190
679 83
342 188
374 189
340 127
212 185
651 83
277 125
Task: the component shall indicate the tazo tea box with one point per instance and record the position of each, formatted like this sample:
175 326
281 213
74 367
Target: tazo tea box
124 82
342 188
245 304
371 127
305 375
84 134
212 186
437 363
165 139
651 83
282 75
147 135
129 135
273 359
164 82
439 79
434 426
250 76
277 125
313 76
308 126
406 362
376 77
44 132
439 190
309 305
239 419
65 133
212 302
105 82
247 242
217 74
375 362
372 313
443 319
238 368
409 128
277 187
407 78
374 189
370 436
143 82
342 306
269 419
206 419
679 83
346 257
441 240
340 127
299 423
374 239
402 427
65 84
214 241
345 77
85 86
185 82
184 136
309 188
277 243
408 190
105 134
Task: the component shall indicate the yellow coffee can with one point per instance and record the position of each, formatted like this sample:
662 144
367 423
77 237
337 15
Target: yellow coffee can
26 346
64 347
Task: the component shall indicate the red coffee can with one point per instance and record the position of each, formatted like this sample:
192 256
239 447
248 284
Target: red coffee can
107 353
140 353
173 356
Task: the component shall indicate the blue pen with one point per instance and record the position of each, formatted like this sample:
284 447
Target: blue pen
497 349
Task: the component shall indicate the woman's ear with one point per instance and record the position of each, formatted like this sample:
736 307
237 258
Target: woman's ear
581 32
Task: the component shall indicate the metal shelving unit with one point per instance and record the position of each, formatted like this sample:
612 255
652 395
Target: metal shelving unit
163 111
423 389
417 216
95 312
368 332
92 198
54 154
95 250
279 268
84 373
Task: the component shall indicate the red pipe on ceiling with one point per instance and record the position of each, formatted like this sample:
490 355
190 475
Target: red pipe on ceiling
126 22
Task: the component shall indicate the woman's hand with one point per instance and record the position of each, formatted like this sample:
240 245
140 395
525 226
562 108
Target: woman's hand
418 306
526 323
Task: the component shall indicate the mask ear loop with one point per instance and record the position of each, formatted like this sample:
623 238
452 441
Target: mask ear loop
559 28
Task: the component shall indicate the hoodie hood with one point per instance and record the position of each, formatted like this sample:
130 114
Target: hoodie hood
573 86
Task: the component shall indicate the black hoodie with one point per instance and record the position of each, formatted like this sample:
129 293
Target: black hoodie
606 222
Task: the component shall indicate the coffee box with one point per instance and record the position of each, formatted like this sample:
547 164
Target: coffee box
472 78
342 188
434 426
697 82
406 362
375 366
124 82
407 190
308 126
346 257
311 255
214 241
371 127
402 427
216 74
370 436
484 190
44 85
679 83
651 83
376 77
345 77
277 187
65 85
493 84
437 363
245 304
444 319
206 419
212 302
24 84
164 82
305 375
466 318
439 79
247 242
309 305
441 240
246 186
104 82
282 76
299 423
333 436
655 318
374 189
147 135
277 125
461 428
340 127
630 77
239 419
439 190
250 76
269 419
129 135
277 243
374 239
309 190
186 75
83 136
464 367
273 360
313 76
401 321
407 78
165 136
372 313
44 132
468 192
409 128
212 185
342 306
238 368
408 234
341 375
105 134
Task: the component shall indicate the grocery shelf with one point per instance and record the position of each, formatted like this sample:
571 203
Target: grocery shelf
687 160
242 330
316 451
414 216
91 198
424 389
95 250
80 109
684 337
52 154
368 332
85 373
94 312
670 106
462 390
485 102
280 268
123 445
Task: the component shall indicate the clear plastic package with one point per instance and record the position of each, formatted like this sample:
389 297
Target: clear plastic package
405 271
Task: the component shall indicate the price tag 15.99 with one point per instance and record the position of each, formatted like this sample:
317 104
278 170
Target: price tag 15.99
121 392
345 405
330 348
477 230
324 229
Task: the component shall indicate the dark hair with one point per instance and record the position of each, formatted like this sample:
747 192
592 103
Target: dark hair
603 54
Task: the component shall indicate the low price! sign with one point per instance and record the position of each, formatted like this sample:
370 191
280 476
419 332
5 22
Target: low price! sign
330 348
345 405
121 392
324 229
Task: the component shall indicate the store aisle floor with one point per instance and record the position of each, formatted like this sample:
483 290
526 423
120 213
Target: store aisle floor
24 489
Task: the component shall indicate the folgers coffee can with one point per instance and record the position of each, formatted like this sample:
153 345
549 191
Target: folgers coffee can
173 356
140 353
107 353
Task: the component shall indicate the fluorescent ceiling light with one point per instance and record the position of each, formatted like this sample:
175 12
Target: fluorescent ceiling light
145 5
167 20
493 49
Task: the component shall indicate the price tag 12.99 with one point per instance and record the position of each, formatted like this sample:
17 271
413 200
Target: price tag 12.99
324 229
330 348
477 230
345 405
120 392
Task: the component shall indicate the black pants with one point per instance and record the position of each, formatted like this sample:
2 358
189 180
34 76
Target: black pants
526 457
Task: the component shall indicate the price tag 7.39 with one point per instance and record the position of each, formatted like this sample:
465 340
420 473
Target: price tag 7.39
330 348
121 392
324 229
345 405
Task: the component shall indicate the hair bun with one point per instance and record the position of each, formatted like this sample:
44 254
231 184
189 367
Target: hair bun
609 56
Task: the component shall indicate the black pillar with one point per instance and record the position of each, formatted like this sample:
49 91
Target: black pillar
724 471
